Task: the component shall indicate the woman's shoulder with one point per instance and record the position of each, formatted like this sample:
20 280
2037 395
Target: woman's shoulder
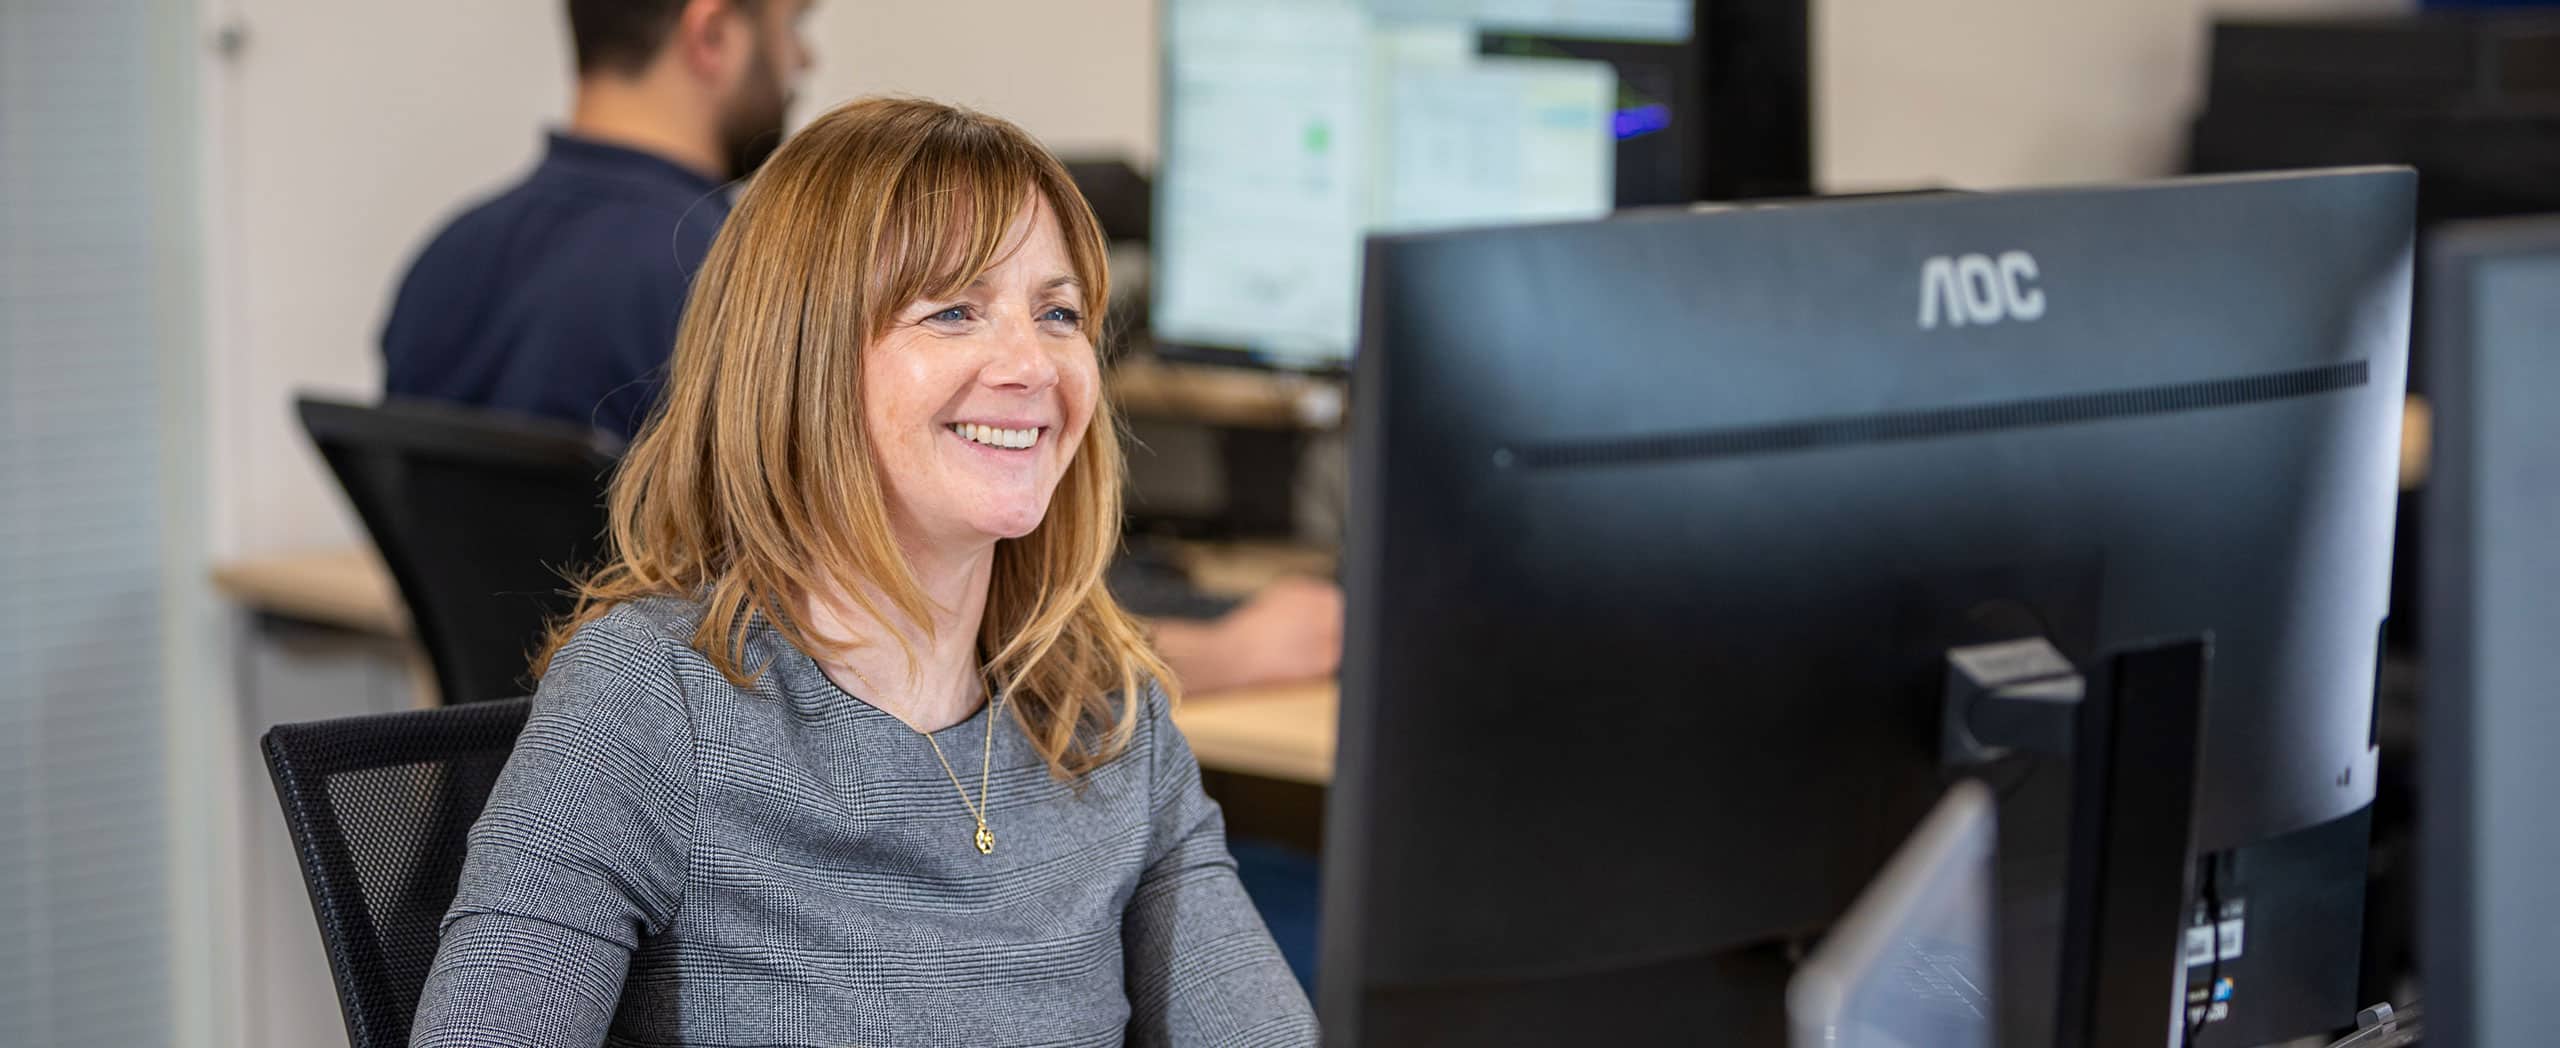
623 689
649 643
651 632
638 647
1153 702
1152 720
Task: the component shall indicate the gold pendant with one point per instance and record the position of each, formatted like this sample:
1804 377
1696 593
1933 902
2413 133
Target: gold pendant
986 841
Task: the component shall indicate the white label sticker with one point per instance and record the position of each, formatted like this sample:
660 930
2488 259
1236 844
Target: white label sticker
2230 939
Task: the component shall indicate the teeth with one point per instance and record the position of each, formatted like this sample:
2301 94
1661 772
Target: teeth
991 436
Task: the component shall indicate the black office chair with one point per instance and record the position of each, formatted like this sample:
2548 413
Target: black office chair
480 515
379 806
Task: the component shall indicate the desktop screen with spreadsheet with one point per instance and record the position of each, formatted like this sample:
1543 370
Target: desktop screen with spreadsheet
1294 128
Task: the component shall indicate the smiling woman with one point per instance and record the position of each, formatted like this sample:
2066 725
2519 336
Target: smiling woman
871 515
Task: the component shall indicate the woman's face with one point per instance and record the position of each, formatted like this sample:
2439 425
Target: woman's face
976 403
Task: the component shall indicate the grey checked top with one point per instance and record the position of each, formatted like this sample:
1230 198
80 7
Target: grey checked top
668 860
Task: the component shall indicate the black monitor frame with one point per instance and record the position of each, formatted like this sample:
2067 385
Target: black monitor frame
1611 477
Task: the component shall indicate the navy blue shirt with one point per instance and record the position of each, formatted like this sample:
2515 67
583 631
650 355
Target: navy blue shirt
560 296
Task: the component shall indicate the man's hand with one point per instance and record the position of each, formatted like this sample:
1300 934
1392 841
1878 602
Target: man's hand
1290 631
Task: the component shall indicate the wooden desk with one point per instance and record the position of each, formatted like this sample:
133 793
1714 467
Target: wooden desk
348 588
1245 398
1281 732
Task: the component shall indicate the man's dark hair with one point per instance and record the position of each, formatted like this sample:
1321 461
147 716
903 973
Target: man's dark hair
624 36
620 36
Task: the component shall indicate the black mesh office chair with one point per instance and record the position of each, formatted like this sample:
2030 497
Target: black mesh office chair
479 515
378 806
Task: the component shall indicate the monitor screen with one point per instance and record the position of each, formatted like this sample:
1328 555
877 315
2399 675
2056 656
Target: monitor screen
2515 303
1292 128
2490 727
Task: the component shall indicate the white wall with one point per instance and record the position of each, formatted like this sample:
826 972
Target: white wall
1080 75
1993 93
344 130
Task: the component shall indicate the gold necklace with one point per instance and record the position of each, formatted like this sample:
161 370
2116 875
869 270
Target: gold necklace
984 839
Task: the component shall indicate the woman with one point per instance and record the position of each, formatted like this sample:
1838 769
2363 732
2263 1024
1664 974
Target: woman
849 745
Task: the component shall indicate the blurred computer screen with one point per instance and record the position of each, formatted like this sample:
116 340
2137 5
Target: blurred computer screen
1292 129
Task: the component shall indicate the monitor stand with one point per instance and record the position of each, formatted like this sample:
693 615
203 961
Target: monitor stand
2133 730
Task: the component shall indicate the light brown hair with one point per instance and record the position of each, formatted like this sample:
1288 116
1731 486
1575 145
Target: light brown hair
753 486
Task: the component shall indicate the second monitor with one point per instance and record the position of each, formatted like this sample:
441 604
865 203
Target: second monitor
1293 127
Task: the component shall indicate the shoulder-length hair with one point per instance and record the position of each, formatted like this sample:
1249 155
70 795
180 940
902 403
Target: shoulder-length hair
753 486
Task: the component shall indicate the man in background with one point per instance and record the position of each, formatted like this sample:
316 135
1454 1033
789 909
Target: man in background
560 295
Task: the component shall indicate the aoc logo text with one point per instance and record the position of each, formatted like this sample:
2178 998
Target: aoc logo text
1979 289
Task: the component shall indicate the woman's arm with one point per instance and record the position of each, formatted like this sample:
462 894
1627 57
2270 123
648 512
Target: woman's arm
579 855
1202 969
504 980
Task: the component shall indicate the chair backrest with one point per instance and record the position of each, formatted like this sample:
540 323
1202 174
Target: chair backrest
479 515
379 807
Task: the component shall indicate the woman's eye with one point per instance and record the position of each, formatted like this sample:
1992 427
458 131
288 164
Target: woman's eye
953 315
1061 315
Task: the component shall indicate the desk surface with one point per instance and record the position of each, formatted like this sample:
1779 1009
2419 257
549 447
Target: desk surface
1279 732
348 588
1225 396
1283 732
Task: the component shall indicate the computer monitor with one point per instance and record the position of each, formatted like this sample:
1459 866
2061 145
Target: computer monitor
2489 859
1910 964
1663 527
1291 128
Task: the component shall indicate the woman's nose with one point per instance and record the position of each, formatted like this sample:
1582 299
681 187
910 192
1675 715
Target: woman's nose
1021 362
